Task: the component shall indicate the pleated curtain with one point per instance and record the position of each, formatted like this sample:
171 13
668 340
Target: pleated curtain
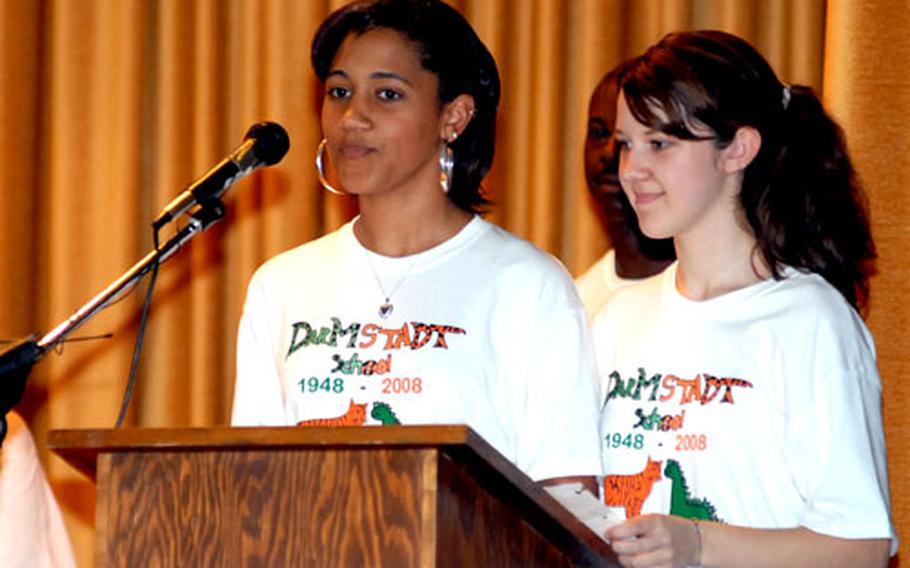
111 107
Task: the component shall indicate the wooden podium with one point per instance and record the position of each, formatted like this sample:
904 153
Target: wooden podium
344 496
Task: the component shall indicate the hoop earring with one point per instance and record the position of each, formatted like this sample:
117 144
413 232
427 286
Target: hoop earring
320 169
446 165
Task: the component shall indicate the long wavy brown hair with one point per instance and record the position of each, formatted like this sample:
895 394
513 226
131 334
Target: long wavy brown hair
800 195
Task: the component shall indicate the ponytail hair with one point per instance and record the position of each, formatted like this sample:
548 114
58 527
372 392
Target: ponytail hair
800 194
813 212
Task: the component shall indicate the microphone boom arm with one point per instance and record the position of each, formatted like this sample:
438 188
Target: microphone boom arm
17 360
265 144
209 212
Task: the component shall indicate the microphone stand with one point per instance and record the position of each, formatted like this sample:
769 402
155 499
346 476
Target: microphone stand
16 360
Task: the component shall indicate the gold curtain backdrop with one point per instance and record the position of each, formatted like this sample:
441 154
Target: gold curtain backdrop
111 107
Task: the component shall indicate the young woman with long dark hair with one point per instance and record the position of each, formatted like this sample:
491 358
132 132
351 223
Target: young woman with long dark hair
742 424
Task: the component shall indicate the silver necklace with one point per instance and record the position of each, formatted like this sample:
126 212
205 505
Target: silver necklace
387 307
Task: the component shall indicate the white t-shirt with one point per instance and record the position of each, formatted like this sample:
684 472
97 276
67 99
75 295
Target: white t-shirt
760 408
32 534
486 330
599 282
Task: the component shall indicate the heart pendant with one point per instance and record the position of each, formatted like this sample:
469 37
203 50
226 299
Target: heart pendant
385 309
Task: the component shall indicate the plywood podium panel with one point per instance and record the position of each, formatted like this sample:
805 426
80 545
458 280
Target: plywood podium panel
429 496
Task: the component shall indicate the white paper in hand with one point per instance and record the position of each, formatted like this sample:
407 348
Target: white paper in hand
588 508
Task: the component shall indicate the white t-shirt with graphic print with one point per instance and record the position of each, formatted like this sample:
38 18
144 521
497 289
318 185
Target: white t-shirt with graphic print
760 408
485 330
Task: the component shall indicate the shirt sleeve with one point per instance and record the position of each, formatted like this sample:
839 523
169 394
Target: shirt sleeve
258 392
837 447
555 406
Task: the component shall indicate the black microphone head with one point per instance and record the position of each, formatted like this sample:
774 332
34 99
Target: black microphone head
271 144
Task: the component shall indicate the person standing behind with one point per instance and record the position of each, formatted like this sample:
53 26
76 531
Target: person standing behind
743 420
418 311
633 256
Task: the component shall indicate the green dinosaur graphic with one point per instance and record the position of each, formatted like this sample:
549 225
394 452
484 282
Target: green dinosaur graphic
384 413
681 504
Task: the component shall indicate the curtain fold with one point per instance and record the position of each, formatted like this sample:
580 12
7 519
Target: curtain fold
111 108
21 44
867 88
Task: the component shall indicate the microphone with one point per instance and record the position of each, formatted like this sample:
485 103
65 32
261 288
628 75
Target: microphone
264 145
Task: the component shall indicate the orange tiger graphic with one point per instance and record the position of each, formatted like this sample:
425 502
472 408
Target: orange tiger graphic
630 491
355 416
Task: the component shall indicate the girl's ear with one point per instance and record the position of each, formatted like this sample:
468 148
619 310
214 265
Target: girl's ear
456 115
742 150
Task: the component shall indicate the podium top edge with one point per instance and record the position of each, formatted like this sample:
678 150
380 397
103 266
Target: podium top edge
162 439
82 448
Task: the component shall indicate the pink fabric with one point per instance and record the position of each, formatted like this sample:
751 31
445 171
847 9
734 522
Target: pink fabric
32 533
